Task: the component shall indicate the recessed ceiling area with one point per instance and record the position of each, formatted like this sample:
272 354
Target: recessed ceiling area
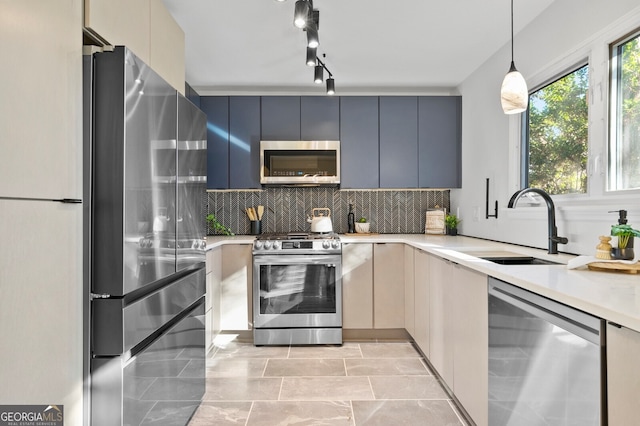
380 46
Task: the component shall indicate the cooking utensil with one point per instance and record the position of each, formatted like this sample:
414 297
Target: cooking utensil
320 220
260 212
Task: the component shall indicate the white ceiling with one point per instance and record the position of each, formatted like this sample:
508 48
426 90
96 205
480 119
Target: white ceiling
251 46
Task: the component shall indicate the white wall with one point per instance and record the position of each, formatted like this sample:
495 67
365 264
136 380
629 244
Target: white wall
41 250
565 33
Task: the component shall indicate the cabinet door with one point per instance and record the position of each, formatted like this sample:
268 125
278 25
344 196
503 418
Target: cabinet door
357 286
421 300
440 316
409 290
320 118
280 118
217 110
388 286
623 375
359 143
214 286
440 141
471 341
166 45
398 142
244 142
235 293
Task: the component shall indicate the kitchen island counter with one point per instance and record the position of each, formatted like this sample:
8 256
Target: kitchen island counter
611 296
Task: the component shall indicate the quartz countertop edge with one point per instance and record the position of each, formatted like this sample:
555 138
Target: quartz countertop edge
612 296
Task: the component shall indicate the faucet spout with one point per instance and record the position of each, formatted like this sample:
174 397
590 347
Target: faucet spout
554 239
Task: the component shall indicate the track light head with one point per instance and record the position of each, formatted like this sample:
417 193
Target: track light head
331 86
312 53
318 74
301 13
313 40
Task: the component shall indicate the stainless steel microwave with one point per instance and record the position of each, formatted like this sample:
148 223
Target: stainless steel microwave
300 163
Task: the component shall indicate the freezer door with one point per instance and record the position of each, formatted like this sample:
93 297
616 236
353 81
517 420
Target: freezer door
120 325
165 379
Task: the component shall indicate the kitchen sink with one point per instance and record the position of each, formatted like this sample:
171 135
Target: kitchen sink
522 260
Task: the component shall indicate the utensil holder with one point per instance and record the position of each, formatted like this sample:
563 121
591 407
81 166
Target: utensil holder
256 227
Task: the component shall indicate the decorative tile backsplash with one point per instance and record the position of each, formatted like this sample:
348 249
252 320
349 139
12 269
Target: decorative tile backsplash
286 209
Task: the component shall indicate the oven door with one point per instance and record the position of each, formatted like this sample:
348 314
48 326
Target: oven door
297 291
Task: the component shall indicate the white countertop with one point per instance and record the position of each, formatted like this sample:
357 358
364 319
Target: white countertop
609 295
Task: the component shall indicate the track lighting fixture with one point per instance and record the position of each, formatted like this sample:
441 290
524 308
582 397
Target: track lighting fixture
301 13
514 94
318 74
311 56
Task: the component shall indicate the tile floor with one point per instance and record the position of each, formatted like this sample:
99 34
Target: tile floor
359 383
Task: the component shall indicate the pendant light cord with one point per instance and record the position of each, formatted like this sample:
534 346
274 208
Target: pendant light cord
512 31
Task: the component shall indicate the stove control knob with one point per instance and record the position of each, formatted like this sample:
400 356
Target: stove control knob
267 245
258 245
276 245
335 244
326 244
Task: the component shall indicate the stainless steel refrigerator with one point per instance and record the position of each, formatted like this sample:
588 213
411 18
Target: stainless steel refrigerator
145 184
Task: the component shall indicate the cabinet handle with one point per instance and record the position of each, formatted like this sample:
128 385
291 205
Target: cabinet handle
614 324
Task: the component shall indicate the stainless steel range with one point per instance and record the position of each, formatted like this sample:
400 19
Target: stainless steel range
297 289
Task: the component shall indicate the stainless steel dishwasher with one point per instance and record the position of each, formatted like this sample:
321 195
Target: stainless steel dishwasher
546 361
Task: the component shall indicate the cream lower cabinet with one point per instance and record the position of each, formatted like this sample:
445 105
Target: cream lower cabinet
441 331
409 290
471 341
623 375
421 300
388 286
214 287
357 286
236 296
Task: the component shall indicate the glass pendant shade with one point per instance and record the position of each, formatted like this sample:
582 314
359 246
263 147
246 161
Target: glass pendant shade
318 74
331 86
514 94
301 13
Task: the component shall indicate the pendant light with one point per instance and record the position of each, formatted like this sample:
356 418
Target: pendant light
331 86
318 76
311 56
514 95
301 13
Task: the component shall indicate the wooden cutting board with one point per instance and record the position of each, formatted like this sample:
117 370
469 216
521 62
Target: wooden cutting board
627 268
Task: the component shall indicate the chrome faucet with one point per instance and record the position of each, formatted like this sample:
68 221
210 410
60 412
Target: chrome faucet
554 239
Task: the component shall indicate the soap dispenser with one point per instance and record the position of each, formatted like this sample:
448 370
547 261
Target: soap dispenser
351 220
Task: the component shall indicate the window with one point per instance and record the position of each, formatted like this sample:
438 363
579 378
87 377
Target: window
624 151
556 135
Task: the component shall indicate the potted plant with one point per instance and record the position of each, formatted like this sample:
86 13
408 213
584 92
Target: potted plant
452 221
362 226
625 234
216 226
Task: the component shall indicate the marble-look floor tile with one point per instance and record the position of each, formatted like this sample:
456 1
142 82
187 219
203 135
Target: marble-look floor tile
246 350
314 413
325 388
406 413
407 387
242 389
386 367
388 350
221 414
304 367
347 350
236 367
169 413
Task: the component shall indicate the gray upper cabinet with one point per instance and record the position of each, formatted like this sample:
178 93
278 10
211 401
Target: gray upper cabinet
398 142
217 110
319 118
244 142
359 148
439 141
280 118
